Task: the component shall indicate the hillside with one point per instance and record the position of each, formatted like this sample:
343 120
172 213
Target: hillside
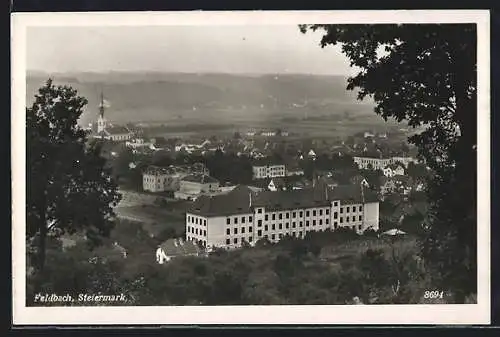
171 97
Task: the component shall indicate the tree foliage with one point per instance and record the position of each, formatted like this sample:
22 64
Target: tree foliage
68 188
426 75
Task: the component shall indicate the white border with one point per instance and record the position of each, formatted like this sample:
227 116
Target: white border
344 314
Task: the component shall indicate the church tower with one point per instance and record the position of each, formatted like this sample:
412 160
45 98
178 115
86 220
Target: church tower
101 121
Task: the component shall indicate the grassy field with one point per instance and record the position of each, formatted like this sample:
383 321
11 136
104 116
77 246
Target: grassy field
155 219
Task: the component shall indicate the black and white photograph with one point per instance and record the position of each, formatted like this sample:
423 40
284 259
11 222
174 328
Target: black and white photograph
251 167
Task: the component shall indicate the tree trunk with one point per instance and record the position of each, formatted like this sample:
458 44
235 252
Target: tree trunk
41 253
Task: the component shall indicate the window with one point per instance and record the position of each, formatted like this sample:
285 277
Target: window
280 216
341 220
314 222
301 224
320 222
235 221
259 211
335 215
273 227
294 234
307 213
259 232
204 233
235 240
259 223
301 214
314 212
280 226
266 227
287 225
288 215
189 218
307 223
353 218
273 236
228 221
335 225
347 210
266 236
196 232
293 224
360 208
320 212
228 231
228 242
341 210
327 211
266 217
336 203
281 236
359 227
242 219
354 208
204 222
346 219
196 220
249 229
250 239
360 218
242 230
327 221
294 214
235 231
274 216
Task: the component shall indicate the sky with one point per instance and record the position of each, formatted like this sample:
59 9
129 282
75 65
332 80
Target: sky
194 49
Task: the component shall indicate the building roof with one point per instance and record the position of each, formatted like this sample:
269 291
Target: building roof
200 178
266 161
242 200
179 247
116 130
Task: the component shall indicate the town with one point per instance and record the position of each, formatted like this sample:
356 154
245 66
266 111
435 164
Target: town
197 195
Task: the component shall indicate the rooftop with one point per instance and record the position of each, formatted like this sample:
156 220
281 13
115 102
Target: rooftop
242 200
179 247
116 130
200 178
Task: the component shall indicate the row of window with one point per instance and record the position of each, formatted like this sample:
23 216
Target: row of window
353 219
354 209
235 220
203 242
235 240
196 231
295 213
235 230
196 221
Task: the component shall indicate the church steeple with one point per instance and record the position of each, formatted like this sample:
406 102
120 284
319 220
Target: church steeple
101 106
101 121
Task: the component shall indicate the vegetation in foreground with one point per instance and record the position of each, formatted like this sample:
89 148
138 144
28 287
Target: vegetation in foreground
324 268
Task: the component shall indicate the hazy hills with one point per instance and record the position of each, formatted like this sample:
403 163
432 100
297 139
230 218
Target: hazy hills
176 97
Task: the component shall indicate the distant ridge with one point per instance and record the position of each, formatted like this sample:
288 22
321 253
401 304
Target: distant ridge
145 96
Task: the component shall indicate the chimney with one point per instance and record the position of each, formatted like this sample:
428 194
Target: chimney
250 200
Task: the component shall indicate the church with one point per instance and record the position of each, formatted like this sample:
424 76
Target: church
108 131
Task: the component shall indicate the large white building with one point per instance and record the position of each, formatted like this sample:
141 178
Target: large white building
242 215
263 171
160 179
194 185
381 163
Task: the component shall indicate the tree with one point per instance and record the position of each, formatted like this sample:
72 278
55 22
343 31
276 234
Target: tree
68 187
426 75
